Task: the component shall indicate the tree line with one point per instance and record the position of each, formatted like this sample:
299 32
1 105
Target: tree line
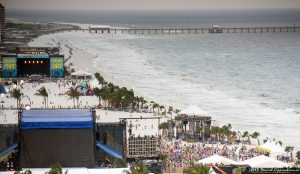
120 98
109 96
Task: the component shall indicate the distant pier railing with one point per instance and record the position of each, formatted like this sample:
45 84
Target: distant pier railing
142 31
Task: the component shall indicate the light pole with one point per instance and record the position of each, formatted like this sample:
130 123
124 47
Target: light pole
194 127
2 95
122 100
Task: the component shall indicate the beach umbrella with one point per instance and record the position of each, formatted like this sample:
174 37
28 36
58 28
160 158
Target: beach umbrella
193 110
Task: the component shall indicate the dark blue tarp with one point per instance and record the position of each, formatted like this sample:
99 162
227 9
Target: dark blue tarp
2 90
9 149
109 150
59 118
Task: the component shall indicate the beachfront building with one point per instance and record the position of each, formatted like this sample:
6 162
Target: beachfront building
193 122
2 22
81 75
215 29
99 28
28 61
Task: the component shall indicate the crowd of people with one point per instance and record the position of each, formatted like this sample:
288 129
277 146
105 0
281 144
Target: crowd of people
55 88
181 154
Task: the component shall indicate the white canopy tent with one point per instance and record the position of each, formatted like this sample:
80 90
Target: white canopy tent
193 110
81 75
273 147
95 84
264 162
217 159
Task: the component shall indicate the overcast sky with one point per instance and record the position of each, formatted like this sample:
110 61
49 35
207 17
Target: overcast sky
149 4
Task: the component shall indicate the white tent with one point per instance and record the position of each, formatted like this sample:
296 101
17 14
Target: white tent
264 162
273 147
217 159
193 110
95 84
81 74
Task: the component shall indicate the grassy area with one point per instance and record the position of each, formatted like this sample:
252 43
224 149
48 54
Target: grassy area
21 33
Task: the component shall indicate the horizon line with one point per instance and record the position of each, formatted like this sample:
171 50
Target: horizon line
156 9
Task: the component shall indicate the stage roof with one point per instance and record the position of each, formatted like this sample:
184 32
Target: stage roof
56 118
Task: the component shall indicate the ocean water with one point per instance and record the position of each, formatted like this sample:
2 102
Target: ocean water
249 80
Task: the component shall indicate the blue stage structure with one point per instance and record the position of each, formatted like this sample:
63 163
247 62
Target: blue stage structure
51 135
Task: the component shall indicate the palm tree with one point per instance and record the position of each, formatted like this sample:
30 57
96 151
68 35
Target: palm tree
56 169
139 168
164 127
219 133
119 163
125 97
112 95
104 94
163 158
130 98
143 101
255 135
246 134
43 92
290 149
298 155
137 100
16 94
99 78
239 134
225 130
73 94
233 134
155 105
163 107
98 93
97 75
229 126
279 142
151 103
214 130
265 140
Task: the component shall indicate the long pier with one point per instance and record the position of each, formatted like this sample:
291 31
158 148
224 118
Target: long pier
142 31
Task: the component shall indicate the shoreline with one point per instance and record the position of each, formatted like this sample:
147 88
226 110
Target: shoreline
90 65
